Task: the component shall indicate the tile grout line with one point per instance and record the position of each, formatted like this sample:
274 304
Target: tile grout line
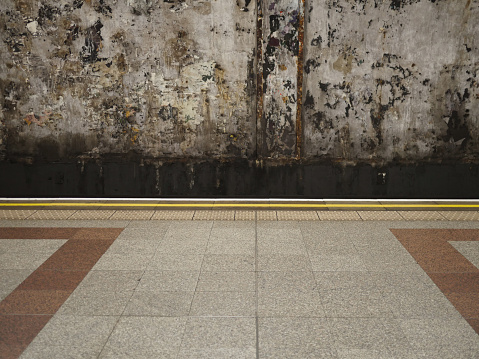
256 276
126 304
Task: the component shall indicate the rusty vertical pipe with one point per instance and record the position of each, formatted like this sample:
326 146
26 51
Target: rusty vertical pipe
299 97
259 80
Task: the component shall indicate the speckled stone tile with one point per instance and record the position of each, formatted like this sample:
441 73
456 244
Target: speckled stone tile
225 304
295 338
226 282
228 262
91 302
76 331
215 334
153 302
145 337
169 281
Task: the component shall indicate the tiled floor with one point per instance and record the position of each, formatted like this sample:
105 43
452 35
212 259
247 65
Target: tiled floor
329 284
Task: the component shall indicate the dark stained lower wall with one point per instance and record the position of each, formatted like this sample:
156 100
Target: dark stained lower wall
239 98
238 179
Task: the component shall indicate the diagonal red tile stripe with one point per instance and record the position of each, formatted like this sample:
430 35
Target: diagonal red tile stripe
25 311
455 276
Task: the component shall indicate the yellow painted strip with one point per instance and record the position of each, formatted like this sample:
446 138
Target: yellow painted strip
238 205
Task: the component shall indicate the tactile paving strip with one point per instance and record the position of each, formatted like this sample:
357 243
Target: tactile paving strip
15 214
461 215
92 214
53 214
132 215
297 216
266 216
214 215
380 216
173 215
339 216
245 215
421 215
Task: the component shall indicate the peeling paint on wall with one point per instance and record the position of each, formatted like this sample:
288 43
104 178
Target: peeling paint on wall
391 81
269 82
159 78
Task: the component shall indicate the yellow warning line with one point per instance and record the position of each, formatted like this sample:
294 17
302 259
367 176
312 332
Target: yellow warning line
238 205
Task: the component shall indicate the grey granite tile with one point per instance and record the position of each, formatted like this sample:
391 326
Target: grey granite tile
282 263
219 333
36 351
273 282
354 303
427 303
234 225
111 280
88 302
228 262
220 353
226 282
281 246
145 337
178 262
183 247
435 334
282 232
226 246
240 234
82 332
337 263
159 303
144 233
305 352
369 354
223 304
279 333
367 333
171 281
290 304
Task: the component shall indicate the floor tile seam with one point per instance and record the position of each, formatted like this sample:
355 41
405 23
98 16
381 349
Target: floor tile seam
194 292
317 284
256 283
124 308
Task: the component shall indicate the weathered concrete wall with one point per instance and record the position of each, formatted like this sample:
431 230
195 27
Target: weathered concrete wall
392 80
301 86
162 78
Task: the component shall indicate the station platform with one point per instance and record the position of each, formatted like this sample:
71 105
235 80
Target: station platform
232 279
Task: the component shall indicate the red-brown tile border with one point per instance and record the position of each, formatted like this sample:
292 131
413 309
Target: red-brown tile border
454 275
26 310
18 331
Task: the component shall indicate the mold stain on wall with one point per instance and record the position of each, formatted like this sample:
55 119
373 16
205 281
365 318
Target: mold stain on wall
157 78
307 81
